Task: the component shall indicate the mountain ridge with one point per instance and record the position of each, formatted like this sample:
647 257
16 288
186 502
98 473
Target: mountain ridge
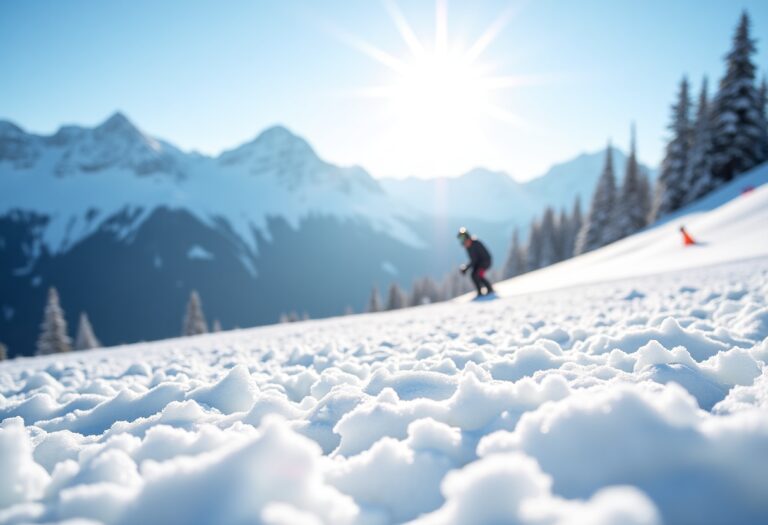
282 229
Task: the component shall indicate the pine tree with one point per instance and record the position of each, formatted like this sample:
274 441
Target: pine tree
644 198
698 177
516 264
574 227
53 331
670 189
762 97
562 233
629 212
194 321
737 127
216 326
395 297
374 301
533 250
3 352
427 291
598 229
548 238
454 285
85 339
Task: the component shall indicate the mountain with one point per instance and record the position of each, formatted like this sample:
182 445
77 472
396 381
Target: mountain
479 194
495 196
563 182
125 225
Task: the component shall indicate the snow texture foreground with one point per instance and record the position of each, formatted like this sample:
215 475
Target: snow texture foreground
635 402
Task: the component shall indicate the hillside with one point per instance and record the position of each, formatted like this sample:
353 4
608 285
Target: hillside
574 405
108 214
728 225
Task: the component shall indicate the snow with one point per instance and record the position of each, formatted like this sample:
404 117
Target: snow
637 394
196 252
728 224
116 168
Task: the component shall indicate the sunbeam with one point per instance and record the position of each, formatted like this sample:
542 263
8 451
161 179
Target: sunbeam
439 96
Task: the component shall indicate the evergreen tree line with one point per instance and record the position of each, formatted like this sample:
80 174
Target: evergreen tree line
424 290
616 211
726 137
54 337
717 139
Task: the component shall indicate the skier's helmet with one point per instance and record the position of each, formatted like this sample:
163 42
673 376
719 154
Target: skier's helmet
463 234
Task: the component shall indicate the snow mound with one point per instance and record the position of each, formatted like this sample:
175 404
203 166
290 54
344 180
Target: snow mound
561 407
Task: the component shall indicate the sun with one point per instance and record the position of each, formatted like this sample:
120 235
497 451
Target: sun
441 95
435 90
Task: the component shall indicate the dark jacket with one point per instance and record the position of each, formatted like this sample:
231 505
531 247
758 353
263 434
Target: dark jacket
479 257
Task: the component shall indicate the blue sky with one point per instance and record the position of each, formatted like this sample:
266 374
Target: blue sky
210 75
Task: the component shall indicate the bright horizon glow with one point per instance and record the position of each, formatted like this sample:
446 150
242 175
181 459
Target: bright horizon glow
441 96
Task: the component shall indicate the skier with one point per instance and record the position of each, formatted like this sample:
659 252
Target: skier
687 239
479 261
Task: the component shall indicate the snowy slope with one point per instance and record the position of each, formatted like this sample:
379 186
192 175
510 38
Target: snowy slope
634 401
728 224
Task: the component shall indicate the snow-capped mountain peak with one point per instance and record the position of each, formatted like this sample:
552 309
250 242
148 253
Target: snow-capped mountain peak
289 159
8 130
116 143
272 147
119 127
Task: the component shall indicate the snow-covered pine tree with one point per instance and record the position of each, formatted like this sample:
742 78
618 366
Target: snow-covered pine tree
216 327
533 249
645 196
194 320
562 232
548 236
762 96
630 215
3 352
698 178
598 229
416 297
374 301
670 188
737 126
395 297
85 339
450 286
455 284
574 226
53 331
430 291
515 264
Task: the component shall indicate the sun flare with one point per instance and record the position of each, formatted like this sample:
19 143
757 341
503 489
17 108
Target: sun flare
434 91
440 96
